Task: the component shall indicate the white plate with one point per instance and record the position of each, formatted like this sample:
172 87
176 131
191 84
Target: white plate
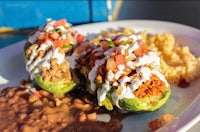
183 103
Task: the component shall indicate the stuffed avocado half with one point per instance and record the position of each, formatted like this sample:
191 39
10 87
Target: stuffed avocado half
144 104
120 71
124 73
47 52
60 87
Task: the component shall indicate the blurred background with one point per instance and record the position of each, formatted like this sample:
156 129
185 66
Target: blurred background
19 17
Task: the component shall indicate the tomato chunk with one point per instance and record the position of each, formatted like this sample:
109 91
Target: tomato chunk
104 44
61 43
79 38
143 47
54 35
61 22
138 52
119 59
42 36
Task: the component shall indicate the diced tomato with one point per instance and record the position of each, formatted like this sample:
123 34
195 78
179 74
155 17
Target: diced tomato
116 42
167 118
138 52
42 36
79 38
50 39
141 50
34 97
110 65
113 54
54 35
164 119
61 22
143 46
154 125
119 59
104 44
61 43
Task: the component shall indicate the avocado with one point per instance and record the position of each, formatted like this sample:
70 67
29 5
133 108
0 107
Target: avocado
60 87
146 104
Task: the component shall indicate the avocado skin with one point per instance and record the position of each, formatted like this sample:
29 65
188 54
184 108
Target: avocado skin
61 87
144 105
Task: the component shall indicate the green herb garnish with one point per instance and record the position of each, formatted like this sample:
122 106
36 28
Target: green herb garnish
58 30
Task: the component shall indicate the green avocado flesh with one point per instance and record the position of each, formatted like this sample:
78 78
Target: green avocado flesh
144 105
61 87
135 104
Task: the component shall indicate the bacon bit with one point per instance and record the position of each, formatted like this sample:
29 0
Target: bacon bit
104 44
54 35
79 38
164 119
61 22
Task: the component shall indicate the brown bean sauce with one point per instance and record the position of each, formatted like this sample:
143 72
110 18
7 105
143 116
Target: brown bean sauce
71 112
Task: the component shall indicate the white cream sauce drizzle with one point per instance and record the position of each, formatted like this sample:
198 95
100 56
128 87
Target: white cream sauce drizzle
149 58
35 62
72 59
127 90
93 73
127 84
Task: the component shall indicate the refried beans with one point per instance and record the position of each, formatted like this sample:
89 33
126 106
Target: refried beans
76 111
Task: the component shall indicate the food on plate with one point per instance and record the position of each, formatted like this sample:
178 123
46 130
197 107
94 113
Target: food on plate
46 56
127 73
178 64
28 108
123 72
165 119
71 78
